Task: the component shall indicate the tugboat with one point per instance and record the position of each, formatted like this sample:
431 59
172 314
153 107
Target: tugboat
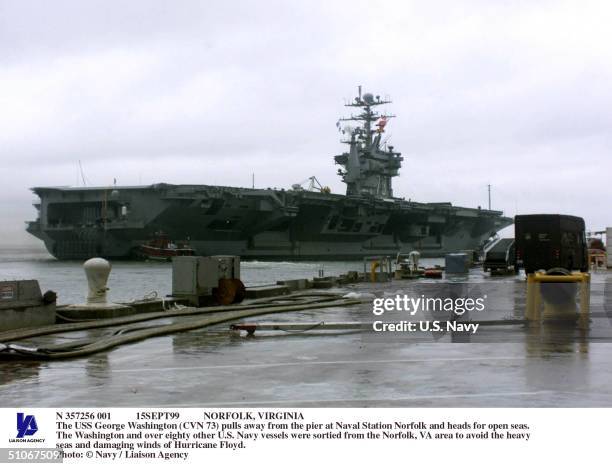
162 248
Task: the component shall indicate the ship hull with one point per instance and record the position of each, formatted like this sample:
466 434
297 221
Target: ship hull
71 250
253 223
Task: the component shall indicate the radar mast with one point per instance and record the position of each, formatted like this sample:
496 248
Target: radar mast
368 165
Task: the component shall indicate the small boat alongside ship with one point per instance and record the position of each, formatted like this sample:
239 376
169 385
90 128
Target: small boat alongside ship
162 248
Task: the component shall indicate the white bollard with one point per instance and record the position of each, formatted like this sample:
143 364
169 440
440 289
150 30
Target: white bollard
97 271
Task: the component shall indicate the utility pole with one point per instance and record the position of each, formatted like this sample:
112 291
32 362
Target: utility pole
489 188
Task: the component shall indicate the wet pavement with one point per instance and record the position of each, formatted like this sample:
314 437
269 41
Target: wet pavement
500 366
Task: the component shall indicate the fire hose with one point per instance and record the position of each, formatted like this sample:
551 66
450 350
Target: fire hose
116 337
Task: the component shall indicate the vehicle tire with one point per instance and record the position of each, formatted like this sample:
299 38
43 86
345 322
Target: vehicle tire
558 293
558 271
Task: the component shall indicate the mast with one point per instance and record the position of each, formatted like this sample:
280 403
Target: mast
368 168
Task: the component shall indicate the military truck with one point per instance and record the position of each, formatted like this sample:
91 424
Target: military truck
547 241
501 257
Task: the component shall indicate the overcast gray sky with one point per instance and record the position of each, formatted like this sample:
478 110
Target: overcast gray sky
516 94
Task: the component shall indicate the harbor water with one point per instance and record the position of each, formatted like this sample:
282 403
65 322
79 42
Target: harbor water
132 280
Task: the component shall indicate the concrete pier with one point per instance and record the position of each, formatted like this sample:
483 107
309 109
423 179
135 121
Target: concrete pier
509 365
23 305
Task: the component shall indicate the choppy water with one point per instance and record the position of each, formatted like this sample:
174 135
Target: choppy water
131 280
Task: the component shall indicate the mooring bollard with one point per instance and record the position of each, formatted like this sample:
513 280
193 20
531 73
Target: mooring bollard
97 271
96 305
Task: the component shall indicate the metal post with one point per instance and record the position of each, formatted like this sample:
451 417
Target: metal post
532 292
489 188
585 301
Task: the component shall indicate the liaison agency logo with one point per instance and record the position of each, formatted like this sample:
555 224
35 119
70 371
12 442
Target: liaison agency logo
26 428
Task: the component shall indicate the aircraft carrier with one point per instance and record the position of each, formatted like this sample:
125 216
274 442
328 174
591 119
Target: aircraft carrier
274 224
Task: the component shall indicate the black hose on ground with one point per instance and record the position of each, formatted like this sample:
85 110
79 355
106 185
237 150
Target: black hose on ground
82 348
19 334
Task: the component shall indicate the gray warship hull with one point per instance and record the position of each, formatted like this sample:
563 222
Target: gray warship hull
79 223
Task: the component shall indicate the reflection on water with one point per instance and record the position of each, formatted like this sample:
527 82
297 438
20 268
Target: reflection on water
549 339
203 341
19 372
